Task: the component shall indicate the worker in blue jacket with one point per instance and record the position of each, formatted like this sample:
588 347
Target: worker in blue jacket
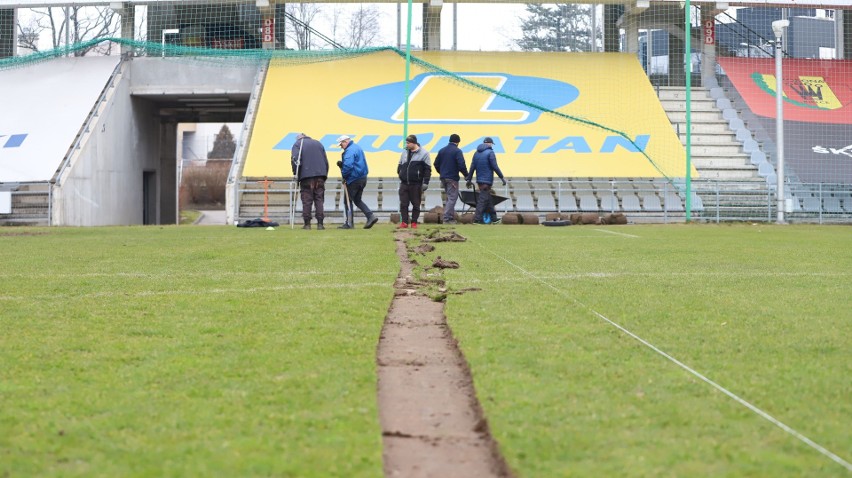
353 168
484 165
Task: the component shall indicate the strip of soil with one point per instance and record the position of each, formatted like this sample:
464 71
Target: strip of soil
432 423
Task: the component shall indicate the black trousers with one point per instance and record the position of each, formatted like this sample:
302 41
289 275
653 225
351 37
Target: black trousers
484 203
410 194
356 190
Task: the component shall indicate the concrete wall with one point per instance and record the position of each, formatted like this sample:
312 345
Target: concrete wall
104 184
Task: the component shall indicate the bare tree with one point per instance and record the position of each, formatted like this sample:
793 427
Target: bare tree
28 37
364 26
299 18
77 24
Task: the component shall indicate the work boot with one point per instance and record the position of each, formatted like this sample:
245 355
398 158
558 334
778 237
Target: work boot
345 226
371 222
320 227
307 225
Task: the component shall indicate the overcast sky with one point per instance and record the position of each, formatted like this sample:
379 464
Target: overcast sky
491 27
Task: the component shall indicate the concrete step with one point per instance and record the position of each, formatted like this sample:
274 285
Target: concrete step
717 150
697 117
679 93
679 105
710 139
720 162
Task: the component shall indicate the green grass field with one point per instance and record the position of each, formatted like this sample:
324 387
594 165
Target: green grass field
217 351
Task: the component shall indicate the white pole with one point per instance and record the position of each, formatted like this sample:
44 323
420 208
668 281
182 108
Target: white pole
778 27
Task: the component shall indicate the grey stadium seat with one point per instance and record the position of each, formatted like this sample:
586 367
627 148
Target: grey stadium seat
673 202
546 201
630 202
609 202
524 201
588 202
567 202
652 203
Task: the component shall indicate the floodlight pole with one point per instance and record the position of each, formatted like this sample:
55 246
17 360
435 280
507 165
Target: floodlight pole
167 31
778 27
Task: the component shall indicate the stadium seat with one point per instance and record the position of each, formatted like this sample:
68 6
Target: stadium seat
811 204
697 204
371 199
329 205
630 203
832 205
673 202
795 204
524 201
433 199
757 157
723 103
609 202
567 202
651 203
546 201
588 202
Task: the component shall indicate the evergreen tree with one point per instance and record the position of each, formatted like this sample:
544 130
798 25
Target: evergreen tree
223 145
556 27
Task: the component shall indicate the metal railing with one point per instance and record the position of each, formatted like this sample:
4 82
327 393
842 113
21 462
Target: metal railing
642 200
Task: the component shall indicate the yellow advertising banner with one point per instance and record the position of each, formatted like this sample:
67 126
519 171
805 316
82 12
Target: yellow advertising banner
549 114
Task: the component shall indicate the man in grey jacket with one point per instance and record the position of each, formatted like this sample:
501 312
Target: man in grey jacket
310 169
414 169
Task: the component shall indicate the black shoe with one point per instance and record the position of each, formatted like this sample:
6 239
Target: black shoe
371 222
345 226
307 226
320 227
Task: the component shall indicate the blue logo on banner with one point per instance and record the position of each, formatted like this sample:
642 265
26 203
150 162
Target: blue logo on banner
14 140
384 102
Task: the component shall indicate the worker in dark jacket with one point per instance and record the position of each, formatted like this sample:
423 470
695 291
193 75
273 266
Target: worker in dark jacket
448 164
484 165
414 169
310 170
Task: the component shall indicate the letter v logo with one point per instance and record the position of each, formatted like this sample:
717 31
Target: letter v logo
449 99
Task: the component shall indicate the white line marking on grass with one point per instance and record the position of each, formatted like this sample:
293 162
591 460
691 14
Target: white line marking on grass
617 233
700 274
185 273
732 395
149 293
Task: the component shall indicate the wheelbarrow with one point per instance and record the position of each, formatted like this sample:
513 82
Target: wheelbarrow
490 214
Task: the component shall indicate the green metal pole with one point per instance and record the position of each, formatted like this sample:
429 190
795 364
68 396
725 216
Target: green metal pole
407 74
687 9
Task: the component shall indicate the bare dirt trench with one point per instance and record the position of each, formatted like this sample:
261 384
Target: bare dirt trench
432 423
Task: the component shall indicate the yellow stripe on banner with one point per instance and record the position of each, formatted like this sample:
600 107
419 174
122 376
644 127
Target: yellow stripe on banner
623 130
